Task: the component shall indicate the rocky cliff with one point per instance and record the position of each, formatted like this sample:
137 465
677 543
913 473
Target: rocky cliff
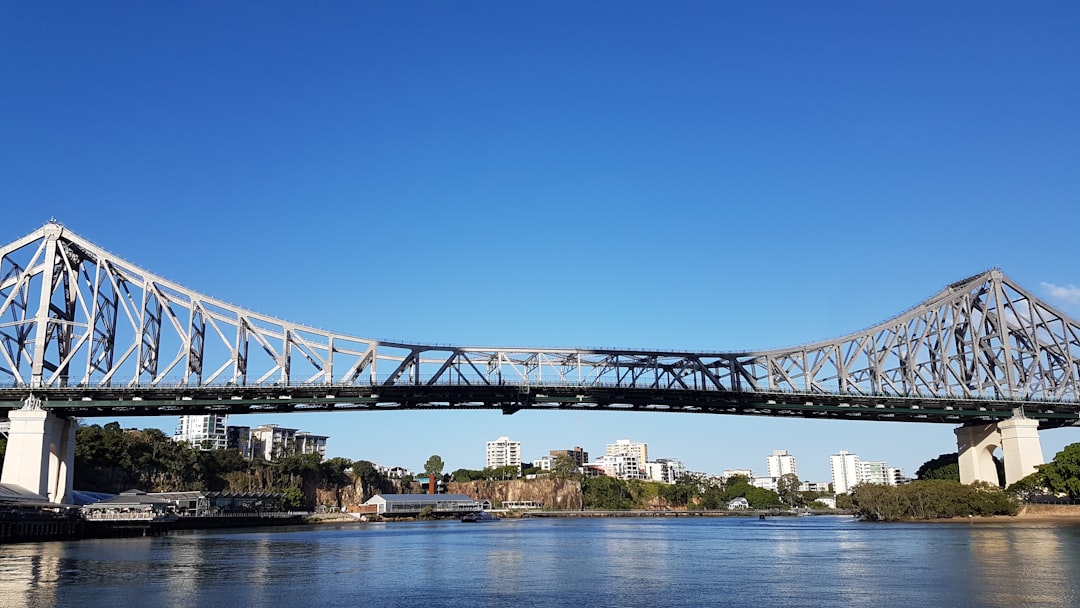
554 493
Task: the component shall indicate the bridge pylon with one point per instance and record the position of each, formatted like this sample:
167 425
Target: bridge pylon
1018 439
40 452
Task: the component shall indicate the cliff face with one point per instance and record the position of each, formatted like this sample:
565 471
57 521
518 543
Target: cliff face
348 495
554 493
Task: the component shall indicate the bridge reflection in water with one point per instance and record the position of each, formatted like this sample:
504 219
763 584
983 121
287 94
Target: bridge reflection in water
810 562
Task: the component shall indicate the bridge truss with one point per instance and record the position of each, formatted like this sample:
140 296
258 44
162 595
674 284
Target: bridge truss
90 334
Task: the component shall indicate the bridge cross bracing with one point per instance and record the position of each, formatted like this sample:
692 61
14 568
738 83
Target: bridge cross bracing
84 333
92 334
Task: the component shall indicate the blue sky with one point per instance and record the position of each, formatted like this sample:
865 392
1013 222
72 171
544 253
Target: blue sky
688 175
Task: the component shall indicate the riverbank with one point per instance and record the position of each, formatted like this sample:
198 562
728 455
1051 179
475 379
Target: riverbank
345 518
1030 513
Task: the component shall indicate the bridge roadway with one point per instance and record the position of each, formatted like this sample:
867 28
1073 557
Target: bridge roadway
90 402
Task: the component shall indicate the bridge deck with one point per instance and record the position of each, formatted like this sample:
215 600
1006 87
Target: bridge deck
508 398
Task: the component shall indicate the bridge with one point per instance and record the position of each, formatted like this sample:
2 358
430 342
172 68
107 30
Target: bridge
84 333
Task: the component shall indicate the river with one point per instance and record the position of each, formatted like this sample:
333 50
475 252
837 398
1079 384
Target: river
820 561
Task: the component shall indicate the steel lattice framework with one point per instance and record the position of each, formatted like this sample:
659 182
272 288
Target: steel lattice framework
92 334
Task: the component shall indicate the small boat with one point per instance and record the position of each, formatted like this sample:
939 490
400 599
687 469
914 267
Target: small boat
478 517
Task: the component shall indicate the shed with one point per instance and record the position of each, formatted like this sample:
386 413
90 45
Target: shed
411 504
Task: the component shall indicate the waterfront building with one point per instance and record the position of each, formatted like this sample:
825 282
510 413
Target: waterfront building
737 504
543 463
271 441
845 471
780 463
403 505
203 431
503 452
664 470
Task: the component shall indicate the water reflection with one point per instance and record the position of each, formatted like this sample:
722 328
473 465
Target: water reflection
1022 566
820 563
29 574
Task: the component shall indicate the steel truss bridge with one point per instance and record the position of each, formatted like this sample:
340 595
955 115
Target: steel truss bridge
84 333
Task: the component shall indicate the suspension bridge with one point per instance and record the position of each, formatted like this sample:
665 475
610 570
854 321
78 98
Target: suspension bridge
84 333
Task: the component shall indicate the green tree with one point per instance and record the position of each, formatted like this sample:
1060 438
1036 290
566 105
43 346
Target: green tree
1062 474
678 495
606 493
434 466
929 499
788 489
464 475
293 498
945 466
564 467
332 471
372 481
759 498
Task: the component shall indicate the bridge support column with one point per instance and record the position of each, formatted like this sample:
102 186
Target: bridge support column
1020 448
975 447
40 454
1018 439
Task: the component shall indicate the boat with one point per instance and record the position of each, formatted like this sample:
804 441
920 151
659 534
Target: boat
478 517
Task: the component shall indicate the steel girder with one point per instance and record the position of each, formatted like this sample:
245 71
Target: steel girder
74 315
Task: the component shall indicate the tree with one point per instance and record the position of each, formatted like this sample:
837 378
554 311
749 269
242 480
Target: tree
788 488
1062 474
293 498
433 467
677 494
564 467
929 499
945 466
464 475
606 493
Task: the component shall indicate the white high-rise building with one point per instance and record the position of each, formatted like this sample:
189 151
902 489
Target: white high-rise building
204 431
637 452
271 441
874 471
503 452
845 471
896 477
621 466
781 463
665 470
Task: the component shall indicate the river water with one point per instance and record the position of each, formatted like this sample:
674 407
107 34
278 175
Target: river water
821 561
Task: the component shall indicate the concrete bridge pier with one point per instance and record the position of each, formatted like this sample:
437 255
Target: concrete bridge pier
1018 438
40 454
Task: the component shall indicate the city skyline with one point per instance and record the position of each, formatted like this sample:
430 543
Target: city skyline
506 451
699 177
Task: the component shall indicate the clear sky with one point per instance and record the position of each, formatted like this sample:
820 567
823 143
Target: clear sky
678 175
